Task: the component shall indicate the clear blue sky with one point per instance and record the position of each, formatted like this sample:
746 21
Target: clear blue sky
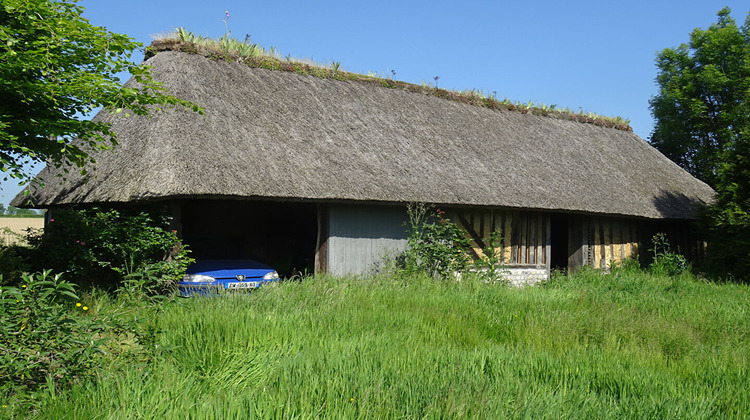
594 55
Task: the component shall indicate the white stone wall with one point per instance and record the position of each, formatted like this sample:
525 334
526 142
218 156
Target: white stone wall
524 276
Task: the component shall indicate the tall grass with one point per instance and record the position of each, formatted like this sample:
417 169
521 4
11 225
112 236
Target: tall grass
626 344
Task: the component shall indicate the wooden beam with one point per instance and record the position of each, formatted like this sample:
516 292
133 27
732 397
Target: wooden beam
470 230
321 246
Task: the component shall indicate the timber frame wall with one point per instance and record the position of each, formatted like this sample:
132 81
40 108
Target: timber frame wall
604 241
525 234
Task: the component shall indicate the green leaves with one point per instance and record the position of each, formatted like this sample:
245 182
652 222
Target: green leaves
702 117
55 69
704 97
436 246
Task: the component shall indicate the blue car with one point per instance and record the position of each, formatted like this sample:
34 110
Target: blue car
209 277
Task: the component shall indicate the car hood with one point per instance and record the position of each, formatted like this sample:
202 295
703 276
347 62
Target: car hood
229 268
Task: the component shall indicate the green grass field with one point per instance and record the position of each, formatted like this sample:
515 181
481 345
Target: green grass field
626 345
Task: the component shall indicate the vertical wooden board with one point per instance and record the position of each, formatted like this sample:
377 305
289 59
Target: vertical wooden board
602 244
627 248
321 246
597 243
616 242
607 239
522 236
540 238
586 240
482 224
548 241
575 244
515 235
530 239
507 231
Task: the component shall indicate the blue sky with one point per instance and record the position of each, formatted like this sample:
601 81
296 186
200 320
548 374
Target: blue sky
597 56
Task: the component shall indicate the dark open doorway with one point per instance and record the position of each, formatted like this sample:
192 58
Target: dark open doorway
282 235
559 242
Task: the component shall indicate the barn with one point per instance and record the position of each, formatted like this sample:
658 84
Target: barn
315 171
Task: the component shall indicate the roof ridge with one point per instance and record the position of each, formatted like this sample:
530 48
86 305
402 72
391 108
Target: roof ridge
472 97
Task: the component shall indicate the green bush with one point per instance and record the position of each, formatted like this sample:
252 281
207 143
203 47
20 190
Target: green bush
436 246
48 338
104 246
666 262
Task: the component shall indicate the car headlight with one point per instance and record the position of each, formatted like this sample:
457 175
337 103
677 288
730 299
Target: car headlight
197 278
271 276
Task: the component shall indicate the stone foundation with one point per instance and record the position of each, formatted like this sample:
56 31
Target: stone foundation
525 275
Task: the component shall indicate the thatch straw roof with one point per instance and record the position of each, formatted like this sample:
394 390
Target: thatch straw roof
282 135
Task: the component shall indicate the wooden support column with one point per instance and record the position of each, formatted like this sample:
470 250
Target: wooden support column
547 241
175 208
175 225
321 247
577 243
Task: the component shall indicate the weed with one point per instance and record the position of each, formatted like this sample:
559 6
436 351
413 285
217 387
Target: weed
666 262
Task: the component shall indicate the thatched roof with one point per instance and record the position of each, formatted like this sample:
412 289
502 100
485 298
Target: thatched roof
282 135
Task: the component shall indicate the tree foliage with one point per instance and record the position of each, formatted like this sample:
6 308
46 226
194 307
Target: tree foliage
702 114
56 67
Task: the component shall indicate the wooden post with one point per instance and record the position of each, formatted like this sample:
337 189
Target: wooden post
577 243
175 225
321 246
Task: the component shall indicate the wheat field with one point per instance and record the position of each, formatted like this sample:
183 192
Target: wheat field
13 229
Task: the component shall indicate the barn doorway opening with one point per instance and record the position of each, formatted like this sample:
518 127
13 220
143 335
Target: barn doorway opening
559 242
282 235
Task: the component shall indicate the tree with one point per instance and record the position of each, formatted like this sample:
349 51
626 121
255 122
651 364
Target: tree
55 68
702 114
702 104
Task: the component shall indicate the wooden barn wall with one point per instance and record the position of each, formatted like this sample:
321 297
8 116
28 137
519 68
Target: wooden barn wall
598 241
361 236
525 234
611 241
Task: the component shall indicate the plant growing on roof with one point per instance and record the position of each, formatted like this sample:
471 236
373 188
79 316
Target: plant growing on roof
268 60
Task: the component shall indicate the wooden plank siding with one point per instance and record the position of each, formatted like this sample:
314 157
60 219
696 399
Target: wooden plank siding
611 241
524 234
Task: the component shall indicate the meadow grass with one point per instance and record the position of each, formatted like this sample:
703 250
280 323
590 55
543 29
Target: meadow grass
626 344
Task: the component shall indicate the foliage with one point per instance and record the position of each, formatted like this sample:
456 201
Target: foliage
702 117
56 67
628 344
666 262
14 260
703 104
44 341
436 246
490 263
11 211
97 245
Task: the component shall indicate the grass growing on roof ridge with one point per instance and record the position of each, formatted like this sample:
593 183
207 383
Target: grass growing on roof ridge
254 55
624 345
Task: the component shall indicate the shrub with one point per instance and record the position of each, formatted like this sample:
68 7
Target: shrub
103 246
666 262
44 342
436 246
490 263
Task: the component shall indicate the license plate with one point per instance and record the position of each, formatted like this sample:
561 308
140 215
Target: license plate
243 285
